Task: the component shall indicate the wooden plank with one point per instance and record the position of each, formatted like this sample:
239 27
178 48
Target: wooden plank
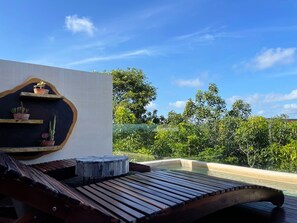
123 200
29 149
166 193
218 184
111 208
213 178
173 186
115 202
128 197
14 121
145 189
197 176
163 198
148 195
194 181
137 195
44 96
165 188
195 186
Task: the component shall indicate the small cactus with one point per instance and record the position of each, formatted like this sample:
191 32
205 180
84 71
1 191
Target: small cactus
52 129
20 109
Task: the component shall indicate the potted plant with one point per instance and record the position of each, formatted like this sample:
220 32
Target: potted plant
48 139
20 113
39 88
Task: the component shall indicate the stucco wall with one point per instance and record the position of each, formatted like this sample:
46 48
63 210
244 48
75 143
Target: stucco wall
90 93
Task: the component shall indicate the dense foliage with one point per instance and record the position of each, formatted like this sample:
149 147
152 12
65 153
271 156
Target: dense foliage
206 130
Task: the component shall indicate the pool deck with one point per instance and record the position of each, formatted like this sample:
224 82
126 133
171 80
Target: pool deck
258 212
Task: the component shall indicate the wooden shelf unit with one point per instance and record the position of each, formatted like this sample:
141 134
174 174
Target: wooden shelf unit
28 149
41 96
14 121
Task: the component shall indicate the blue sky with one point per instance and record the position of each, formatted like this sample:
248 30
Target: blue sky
248 48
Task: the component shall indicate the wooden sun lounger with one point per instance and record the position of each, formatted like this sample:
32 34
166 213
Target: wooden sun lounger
159 196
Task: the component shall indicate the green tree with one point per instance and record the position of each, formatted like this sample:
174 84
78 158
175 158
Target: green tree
174 118
132 90
252 138
123 115
240 109
279 130
207 107
284 158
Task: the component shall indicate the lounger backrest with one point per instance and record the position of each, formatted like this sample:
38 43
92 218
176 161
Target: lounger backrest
17 174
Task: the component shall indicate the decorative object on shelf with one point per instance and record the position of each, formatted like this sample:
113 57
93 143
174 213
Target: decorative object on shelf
49 138
39 88
20 113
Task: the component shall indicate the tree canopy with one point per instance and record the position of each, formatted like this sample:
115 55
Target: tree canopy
132 90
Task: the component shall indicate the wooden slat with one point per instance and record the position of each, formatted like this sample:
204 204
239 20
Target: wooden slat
213 178
14 121
113 201
191 180
143 188
123 200
129 197
200 177
155 195
195 186
173 186
219 185
43 96
137 195
118 212
165 188
168 194
28 149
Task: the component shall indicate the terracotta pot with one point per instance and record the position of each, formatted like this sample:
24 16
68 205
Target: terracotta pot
48 143
41 91
21 116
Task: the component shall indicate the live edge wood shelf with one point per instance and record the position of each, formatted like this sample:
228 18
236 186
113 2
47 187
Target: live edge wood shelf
28 149
13 121
44 96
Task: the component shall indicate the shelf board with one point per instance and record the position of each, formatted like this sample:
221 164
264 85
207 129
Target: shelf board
28 149
30 121
41 96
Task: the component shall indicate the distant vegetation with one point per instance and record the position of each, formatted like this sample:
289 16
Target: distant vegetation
205 131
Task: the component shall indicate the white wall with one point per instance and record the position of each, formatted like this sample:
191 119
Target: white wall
90 93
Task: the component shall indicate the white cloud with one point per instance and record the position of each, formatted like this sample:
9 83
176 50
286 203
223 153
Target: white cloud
143 52
281 97
151 106
205 35
75 24
261 112
290 108
178 104
189 83
257 98
232 99
272 57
